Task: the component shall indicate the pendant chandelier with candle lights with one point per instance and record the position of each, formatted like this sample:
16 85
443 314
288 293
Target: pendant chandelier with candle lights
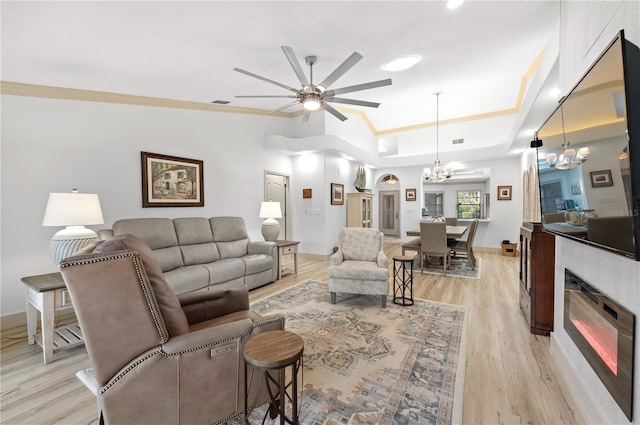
439 174
568 158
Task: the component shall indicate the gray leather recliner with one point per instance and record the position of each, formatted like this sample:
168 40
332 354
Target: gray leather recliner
157 358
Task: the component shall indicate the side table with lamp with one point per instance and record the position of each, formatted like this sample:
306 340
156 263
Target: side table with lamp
47 293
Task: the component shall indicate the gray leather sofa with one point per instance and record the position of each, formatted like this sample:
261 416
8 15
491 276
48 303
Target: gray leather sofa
198 253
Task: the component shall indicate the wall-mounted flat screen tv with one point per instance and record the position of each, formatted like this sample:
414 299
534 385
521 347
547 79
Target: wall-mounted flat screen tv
589 163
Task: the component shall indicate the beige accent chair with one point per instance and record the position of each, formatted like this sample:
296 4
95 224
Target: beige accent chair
157 358
465 246
360 265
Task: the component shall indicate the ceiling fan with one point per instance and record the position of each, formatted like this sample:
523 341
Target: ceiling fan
315 96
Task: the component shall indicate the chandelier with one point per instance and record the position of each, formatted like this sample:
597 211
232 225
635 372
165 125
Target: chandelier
569 158
439 175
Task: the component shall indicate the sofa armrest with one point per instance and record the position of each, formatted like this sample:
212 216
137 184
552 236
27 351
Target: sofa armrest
382 260
262 247
336 258
216 302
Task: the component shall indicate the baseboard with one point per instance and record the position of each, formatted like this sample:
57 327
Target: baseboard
318 257
13 320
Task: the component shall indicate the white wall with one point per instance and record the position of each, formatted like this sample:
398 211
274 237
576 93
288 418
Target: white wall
55 145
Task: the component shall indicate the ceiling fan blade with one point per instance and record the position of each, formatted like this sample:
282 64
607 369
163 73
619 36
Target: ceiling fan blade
274 96
305 117
339 71
251 74
353 102
330 109
283 108
358 87
291 57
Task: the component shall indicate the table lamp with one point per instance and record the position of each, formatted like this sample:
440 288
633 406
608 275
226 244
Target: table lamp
73 210
270 227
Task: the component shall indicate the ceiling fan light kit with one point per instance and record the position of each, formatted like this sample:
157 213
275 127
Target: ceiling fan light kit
313 97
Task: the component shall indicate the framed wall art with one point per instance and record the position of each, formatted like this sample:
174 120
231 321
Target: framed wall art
337 194
504 193
170 181
601 178
410 195
306 193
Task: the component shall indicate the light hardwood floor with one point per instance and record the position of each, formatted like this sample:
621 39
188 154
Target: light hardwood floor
511 377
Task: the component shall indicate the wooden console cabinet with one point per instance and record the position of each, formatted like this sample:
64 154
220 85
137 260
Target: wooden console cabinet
537 263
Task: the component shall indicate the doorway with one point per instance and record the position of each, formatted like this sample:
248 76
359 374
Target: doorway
390 212
276 189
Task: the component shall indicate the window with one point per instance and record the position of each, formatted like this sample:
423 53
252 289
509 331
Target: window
469 203
433 204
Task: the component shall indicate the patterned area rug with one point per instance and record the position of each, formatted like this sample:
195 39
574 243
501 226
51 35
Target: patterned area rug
367 365
459 267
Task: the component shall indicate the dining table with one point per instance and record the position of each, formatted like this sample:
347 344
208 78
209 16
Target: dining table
453 232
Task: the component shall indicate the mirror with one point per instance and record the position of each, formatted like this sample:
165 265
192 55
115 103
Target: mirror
584 168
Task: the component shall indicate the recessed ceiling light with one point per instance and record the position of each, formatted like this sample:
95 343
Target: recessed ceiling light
452 4
401 64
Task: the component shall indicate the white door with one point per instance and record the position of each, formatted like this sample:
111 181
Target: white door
390 212
276 189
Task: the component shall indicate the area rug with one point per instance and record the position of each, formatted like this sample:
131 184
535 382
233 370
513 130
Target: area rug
459 267
364 364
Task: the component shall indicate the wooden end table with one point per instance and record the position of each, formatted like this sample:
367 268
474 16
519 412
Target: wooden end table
275 350
47 294
287 248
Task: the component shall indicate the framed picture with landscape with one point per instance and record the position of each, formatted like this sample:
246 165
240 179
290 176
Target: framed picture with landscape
337 194
171 181
601 178
410 195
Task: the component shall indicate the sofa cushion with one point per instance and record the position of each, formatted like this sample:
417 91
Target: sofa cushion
155 232
358 270
226 229
187 279
172 314
199 253
360 244
193 230
225 270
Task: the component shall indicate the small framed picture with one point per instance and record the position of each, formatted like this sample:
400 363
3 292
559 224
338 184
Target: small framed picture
411 195
306 193
337 194
601 178
504 193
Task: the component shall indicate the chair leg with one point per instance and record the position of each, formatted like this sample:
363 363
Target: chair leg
384 301
333 297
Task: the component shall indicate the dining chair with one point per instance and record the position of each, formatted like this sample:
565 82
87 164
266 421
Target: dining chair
465 247
433 243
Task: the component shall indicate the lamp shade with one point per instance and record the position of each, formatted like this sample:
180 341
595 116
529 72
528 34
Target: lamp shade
270 210
73 209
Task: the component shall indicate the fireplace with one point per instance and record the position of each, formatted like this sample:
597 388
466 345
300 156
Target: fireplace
604 333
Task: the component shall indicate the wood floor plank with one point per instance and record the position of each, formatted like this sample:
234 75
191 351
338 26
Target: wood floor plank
511 376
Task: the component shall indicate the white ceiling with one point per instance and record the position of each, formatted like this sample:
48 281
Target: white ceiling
476 55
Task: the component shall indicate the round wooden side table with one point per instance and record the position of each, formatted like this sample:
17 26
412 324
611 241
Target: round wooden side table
402 280
274 351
